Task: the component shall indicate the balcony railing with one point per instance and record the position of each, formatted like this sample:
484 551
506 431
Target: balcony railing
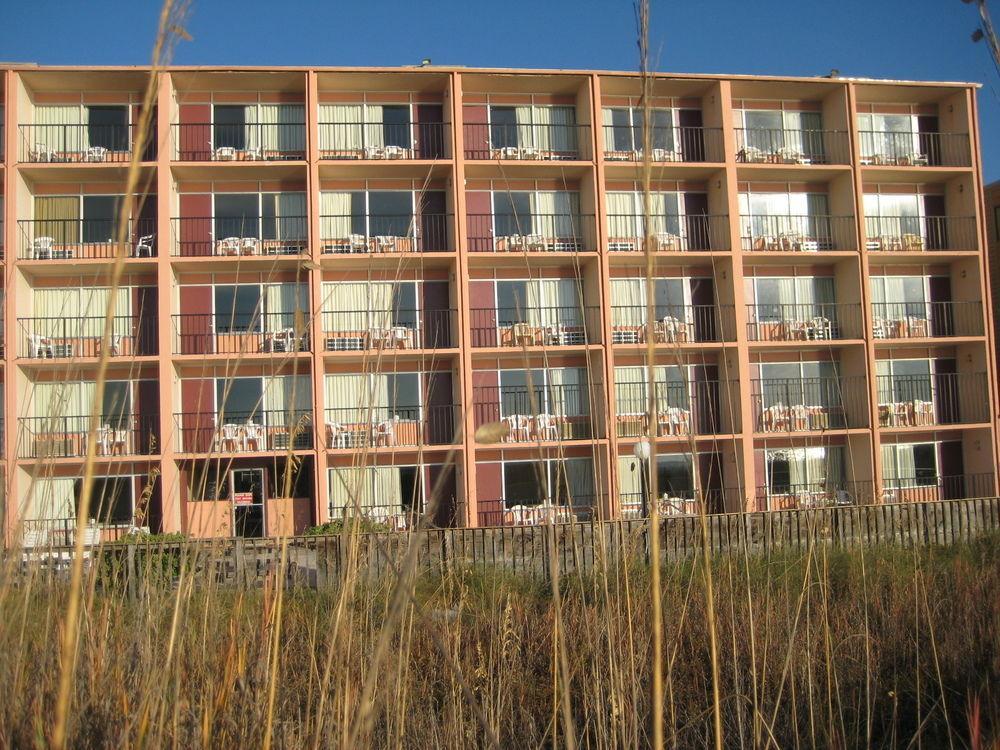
932 399
682 409
66 437
390 426
808 404
797 233
395 515
929 488
240 236
526 142
362 330
779 146
252 141
528 415
531 511
535 326
403 233
82 239
825 494
674 324
82 337
61 532
381 140
244 432
816 321
273 332
914 234
80 143
532 233
669 143
918 320
914 149
696 232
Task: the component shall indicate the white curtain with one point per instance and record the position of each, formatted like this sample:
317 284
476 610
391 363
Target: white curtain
347 392
63 399
554 213
351 489
342 129
251 126
630 389
623 216
60 129
284 305
291 394
628 301
580 480
346 306
522 116
568 388
269 130
374 125
607 117
284 128
49 499
387 489
291 216
335 215
558 302
542 122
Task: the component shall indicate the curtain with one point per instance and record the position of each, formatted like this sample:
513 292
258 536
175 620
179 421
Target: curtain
623 216
374 125
290 213
64 399
522 116
281 303
291 127
346 393
664 213
906 463
335 215
288 394
607 118
814 460
251 127
628 300
387 489
556 302
350 489
269 129
579 474
629 479
50 498
60 131
542 127
630 390
554 213
786 294
346 306
58 218
568 391
343 126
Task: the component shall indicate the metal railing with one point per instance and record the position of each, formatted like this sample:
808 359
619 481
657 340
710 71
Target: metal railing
66 437
390 426
540 413
808 404
932 399
80 143
79 239
244 432
782 146
526 142
535 326
914 234
397 515
682 409
670 143
531 233
82 337
239 236
930 488
534 511
814 321
382 233
673 501
361 330
673 324
917 320
44 533
914 149
252 141
797 233
685 233
833 492
381 140
238 333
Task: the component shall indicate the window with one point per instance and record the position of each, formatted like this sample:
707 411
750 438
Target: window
238 309
888 135
107 126
566 482
893 215
771 215
898 297
560 390
674 477
624 131
239 399
396 125
904 380
503 127
807 383
793 299
110 500
117 404
236 215
390 213
771 130
793 470
229 128
909 464
100 217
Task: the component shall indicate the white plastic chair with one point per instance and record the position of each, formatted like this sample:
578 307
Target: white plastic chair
546 427
229 437
384 432
249 246
253 433
229 246
42 247
337 436
40 346
225 153
96 153
144 247
518 427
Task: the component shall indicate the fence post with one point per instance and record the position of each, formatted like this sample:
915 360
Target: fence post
130 567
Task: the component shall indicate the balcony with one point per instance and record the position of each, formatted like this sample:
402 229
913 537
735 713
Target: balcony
929 488
381 330
381 140
919 320
258 431
352 234
61 532
534 326
74 144
82 337
276 332
536 233
694 233
797 234
916 234
670 143
914 149
85 239
674 324
536 414
780 146
251 141
224 236
683 409
523 512
806 495
529 142
390 426
816 321
932 399
66 437
808 404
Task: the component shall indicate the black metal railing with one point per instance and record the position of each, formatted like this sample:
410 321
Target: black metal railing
694 232
917 320
534 510
66 437
360 330
390 426
797 233
808 404
814 321
539 413
382 233
394 515
83 337
526 142
531 233
381 140
669 143
535 326
80 239
252 141
239 333
913 234
929 488
80 143
42 533
781 146
238 236
244 432
832 492
932 399
914 149
682 409
672 501
673 324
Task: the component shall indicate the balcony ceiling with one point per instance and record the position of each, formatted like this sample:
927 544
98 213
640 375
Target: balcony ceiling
85 80
250 81
429 81
632 86
501 83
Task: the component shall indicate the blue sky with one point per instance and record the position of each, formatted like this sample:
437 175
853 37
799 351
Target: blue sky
916 39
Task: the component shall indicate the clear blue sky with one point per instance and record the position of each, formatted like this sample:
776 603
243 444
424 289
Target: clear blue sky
916 39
